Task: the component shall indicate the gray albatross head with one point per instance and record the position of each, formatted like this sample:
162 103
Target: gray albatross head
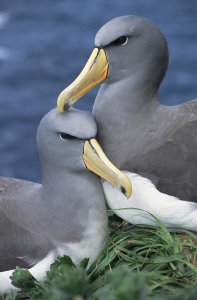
66 143
127 47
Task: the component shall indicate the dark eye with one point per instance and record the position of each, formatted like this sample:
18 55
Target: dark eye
120 41
66 136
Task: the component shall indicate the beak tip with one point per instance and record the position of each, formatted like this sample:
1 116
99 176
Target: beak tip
128 190
129 194
123 190
60 105
65 107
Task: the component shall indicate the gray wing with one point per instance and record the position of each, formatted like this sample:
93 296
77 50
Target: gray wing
174 163
18 246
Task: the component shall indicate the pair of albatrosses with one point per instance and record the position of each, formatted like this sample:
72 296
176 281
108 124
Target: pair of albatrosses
66 214
157 143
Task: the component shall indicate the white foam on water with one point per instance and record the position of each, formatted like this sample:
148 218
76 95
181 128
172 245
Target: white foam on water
4 54
4 18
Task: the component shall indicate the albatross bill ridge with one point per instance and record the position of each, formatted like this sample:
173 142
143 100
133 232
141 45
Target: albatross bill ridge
66 214
137 132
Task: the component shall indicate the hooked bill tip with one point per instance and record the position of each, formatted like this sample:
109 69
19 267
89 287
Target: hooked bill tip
123 190
66 107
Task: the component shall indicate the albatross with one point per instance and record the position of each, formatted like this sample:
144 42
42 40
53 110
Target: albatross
139 134
66 214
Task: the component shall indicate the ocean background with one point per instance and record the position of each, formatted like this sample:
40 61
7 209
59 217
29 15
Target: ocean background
45 43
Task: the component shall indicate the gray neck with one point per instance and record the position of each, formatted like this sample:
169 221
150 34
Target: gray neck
119 110
131 94
69 202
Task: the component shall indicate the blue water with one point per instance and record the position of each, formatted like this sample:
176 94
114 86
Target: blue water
45 43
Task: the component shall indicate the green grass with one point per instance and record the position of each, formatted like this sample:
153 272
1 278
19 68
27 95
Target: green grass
138 263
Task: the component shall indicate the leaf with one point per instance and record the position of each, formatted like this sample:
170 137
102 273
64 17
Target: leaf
84 263
22 279
64 260
59 264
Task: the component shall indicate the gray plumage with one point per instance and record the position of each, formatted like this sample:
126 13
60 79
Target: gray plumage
136 132
66 213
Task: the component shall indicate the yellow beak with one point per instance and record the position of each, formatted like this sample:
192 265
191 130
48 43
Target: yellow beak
96 161
94 72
